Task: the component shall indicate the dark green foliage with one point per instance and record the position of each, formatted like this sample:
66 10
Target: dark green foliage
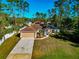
1 35
66 23
40 15
66 18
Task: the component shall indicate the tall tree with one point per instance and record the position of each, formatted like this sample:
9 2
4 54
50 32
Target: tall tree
19 6
40 15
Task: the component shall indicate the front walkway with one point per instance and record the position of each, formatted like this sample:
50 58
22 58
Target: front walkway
42 38
23 49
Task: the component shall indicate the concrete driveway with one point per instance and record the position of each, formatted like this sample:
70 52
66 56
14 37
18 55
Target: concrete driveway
23 49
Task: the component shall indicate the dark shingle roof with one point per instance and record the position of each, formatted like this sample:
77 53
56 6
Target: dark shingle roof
52 27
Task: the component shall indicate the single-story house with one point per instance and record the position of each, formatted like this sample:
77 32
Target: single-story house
30 31
53 29
50 29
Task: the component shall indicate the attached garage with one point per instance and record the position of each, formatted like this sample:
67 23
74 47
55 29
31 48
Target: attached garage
27 34
30 31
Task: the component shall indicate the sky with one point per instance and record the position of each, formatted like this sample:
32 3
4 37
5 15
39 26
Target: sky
39 6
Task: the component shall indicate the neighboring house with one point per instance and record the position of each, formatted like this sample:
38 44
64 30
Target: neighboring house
29 23
30 31
53 29
8 27
40 22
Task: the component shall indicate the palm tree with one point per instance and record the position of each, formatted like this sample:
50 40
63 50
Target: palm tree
22 6
37 14
25 7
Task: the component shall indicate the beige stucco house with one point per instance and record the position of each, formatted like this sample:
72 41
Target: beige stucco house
30 31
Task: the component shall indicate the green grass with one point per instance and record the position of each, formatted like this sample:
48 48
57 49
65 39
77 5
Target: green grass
7 46
52 48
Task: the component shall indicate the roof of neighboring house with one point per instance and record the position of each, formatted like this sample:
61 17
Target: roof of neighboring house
39 22
36 26
31 28
52 27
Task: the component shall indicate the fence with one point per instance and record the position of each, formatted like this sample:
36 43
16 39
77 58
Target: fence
6 36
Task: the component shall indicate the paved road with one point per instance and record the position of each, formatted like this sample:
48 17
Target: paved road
23 49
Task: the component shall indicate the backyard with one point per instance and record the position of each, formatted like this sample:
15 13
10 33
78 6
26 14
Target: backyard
53 48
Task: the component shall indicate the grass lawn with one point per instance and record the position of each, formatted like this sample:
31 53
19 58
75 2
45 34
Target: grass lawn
7 46
52 48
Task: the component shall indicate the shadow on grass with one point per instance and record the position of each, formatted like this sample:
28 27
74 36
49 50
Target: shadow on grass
75 45
18 35
60 37
56 56
71 38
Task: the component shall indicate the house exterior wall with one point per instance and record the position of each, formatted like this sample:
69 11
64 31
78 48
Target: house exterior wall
49 31
35 34
27 34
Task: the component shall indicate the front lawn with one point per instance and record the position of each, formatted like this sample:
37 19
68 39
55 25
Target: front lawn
52 48
7 46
